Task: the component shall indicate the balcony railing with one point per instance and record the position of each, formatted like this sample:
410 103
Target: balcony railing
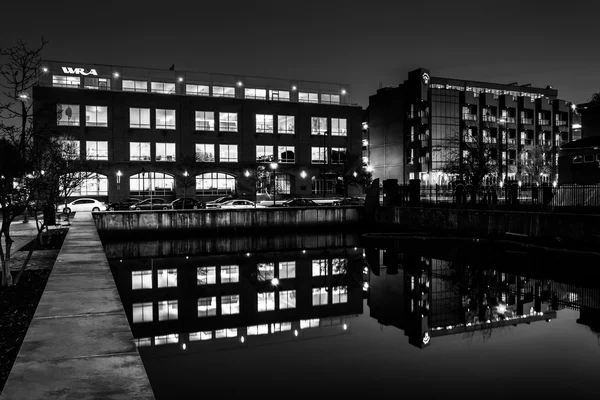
509 120
528 121
544 122
561 123
469 117
489 118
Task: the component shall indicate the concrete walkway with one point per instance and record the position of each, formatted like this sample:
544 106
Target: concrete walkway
79 344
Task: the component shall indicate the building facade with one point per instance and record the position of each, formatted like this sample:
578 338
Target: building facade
414 127
172 133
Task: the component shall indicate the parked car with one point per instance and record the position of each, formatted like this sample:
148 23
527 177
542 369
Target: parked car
350 201
185 203
239 203
156 203
214 203
83 204
124 204
299 203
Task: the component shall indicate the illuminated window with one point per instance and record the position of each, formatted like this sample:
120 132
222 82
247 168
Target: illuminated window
135 86
205 152
139 118
92 184
207 275
204 335
319 267
230 273
266 301
330 98
309 323
258 94
319 155
279 95
319 296
167 310
318 126
281 327
339 155
166 339
228 153
165 151
338 127
223 91
228 122
97 83
207 307
258 330
287 269
143 342
162 87
165 119
205 120
96 116
287 154
283 183
70 149
264 154
339 266
167 278
141 280
66 81
265 271
304 97
286 124
214 183
156 183
287 299
139 151
264 123
230 304
142 312
96 150
340 295
225 333
67 115
197 90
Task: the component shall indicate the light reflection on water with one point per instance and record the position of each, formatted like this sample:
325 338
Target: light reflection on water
330 315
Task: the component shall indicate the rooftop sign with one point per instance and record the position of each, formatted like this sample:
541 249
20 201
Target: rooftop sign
79 71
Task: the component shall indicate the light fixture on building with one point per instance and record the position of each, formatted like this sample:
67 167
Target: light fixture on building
180 79
240 84
345 326
343 91
246 173
242 339
576 126
369 168
365 142
44 69
116 75
573 107
355 174
295 332
185 173
294 87
303 174
184 346
366 286
365 125
275 281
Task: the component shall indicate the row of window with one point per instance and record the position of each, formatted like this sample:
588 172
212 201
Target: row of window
587 158
194 90
139 118
204 152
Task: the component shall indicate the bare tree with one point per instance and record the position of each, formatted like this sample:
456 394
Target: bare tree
354 173
595 97
537 162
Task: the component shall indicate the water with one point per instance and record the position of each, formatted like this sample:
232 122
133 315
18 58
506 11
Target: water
338 315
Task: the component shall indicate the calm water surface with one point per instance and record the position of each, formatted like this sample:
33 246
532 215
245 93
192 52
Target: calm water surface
338 315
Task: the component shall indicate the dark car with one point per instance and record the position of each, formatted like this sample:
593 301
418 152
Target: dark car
214 203
350 201
123 204
299 203
155 203
185 203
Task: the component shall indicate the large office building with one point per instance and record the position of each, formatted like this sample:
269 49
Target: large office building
170 133
413 127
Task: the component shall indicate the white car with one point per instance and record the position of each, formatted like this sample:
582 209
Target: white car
82 205
236 204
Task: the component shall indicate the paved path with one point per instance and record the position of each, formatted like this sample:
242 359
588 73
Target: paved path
79 344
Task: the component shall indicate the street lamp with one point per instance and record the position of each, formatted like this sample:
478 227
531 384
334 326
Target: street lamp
185 182
274 166
119 174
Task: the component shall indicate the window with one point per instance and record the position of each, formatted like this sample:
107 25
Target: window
340 295
309 323
92 184
339 266
287 299
205 120
318 126
281 327
213 183
228 153
197 90
264 154
286 124
205 152
97 83
139 118
230 304
287 269
165 119
96 150
338 127
204 335
142 312
223 91
96 116
165 151
228 122
162 87
319 267
230 273
143 342
258 94
166 278
279 95
264 123
330 98
283 183
67 115
339 155
266 301
135 86
287 154
207 307
70 149
207 275
319 296
141 280
139 151
167 310
66 81
155 183
254 330
588 158
266 271
319 155
225 333
322 186
304 97
166 339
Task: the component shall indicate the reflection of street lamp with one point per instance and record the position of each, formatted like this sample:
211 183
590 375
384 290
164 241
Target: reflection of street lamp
119 174
185 182
274 166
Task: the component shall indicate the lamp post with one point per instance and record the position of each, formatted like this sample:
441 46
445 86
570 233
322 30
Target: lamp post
185 183
274 166
143 183
119 174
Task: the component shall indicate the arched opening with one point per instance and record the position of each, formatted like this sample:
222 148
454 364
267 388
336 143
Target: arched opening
151 183
215 183
84 184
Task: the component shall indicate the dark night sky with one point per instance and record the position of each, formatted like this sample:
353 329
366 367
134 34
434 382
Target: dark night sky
360 43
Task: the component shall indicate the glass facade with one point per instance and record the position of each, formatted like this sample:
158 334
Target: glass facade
445 128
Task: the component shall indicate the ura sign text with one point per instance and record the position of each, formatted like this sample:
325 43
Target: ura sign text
79 71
